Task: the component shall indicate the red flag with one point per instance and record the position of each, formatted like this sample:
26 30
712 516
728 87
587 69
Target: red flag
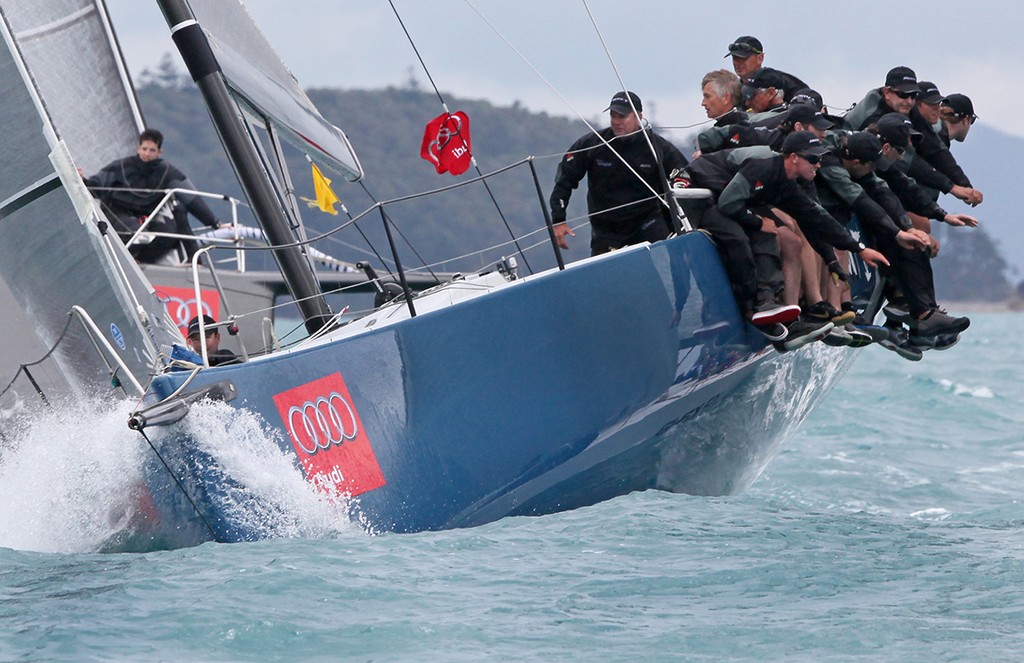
446 143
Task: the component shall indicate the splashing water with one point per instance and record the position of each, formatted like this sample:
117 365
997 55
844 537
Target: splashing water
71 479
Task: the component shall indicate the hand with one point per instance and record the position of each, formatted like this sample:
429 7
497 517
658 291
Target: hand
561 230
768 225
933 250
80 173
838 274
913 239
970 196
873 258
960 220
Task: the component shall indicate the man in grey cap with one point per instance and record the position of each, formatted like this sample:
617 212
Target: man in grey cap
627 168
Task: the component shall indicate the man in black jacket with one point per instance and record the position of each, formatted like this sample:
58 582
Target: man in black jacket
627 170
130 190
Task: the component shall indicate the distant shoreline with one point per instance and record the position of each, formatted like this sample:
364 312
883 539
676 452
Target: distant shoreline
1014 305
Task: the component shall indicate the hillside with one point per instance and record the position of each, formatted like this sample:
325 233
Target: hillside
386 128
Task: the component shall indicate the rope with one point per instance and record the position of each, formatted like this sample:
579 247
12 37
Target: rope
181 487
24 367
444 105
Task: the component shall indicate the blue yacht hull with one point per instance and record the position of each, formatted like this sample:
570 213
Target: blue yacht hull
627 372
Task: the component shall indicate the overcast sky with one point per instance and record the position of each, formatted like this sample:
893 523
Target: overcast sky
661 48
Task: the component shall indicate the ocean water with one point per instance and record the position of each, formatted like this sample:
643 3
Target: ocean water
891 528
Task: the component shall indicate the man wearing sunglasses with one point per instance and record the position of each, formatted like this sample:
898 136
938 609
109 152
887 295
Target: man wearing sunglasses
746 183
898 95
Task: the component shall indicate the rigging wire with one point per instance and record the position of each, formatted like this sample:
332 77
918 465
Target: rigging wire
578 114
444 105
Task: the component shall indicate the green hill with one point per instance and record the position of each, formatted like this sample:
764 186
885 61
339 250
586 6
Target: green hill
386 129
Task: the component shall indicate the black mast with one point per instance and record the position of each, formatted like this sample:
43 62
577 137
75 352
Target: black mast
202 65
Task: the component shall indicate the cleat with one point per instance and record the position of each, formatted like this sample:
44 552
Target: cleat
838 338
860 339
876 332
940 342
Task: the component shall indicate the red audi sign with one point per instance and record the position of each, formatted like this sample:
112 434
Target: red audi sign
328 437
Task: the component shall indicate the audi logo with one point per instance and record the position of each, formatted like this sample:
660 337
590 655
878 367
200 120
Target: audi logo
327 420
181 310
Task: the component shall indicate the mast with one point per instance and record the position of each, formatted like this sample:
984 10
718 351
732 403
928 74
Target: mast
195 50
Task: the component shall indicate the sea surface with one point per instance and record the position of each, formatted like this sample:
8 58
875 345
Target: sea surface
890 528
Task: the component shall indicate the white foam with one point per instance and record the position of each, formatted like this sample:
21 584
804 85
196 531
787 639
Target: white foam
71 476
68 475
964 390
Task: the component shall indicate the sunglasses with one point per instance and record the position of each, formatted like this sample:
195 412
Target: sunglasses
812 159
737 46
904 95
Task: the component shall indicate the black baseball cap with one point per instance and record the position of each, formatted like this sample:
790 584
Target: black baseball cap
896 129
744 47
961 105
193 325
803 143
902 79
763 78
807 96
808 115
864 147
929 93
620 103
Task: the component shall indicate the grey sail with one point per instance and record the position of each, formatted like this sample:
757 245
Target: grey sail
53 256
262 84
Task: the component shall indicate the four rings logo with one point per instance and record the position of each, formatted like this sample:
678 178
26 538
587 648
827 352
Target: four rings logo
328 436
319 424
182 306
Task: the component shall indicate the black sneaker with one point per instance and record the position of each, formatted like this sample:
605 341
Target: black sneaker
940 342
825 311
939 322
859 338
838 338
877 333
774 333
771 313
803 332
899 342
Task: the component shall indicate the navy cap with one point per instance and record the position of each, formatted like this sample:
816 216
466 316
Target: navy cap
807 96
808 115
961 105
620 103
929 93
193 325
744 47
864 147
803 143
895 129
902 79
763 78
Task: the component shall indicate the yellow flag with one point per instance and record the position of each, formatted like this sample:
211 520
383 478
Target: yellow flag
325 198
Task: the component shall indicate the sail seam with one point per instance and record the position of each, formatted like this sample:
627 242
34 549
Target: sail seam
55 26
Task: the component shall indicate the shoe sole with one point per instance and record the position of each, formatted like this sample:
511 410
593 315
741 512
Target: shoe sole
903 352
781 315
801 341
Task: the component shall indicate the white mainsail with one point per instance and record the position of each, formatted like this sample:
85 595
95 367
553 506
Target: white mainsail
53 256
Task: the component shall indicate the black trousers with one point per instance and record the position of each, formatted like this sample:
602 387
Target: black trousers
912 273
751 257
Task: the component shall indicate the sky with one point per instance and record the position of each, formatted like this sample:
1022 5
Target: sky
576 53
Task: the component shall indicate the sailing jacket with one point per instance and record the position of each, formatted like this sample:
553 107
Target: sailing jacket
747 181
616 200
132 187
